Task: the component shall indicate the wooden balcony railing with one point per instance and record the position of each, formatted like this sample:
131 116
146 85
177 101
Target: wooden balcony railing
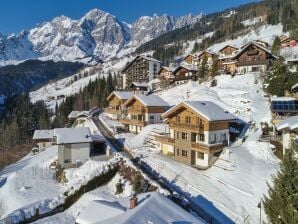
112 111
165 139
136 111
133 122
206 148
190 127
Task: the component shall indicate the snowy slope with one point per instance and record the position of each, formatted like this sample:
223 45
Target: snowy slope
234 185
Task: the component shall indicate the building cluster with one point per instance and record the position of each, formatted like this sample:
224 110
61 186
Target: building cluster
197 133
254 56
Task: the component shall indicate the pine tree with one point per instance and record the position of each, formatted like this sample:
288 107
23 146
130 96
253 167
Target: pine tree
214 68
203 69
196 47
276 45
281 204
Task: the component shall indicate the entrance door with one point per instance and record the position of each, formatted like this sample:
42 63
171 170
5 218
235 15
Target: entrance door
193 157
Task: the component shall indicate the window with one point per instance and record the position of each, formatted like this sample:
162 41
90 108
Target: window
201 137
183 135
178 119
200 155
187 119
193 137
213 138
184 153
67 161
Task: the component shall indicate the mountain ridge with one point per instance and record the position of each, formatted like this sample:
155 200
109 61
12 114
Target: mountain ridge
96 35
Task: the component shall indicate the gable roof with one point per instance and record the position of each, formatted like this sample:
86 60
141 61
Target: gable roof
43 134
290 123
207 109
153 207
148 101
72 135
226 47
187 67
169 69
205 52
122 95
140 56
244 47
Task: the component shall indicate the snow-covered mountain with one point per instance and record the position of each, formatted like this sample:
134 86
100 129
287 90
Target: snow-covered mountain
97 35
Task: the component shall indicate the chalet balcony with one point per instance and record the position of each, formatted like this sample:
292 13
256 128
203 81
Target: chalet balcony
206 148
165 139
188 127
252 62
133 122
112 111
136 111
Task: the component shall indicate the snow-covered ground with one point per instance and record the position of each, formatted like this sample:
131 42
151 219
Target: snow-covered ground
265 33
232 188
29 180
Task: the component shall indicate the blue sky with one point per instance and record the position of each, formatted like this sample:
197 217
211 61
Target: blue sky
16 15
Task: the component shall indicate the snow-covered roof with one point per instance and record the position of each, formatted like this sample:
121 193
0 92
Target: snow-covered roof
207 109
72 135
122 95
294 87
290 123
141 56
186 66
170 69
153 207
228 45
76 114
100 210
244 47
43 134
139 84
148 101
282 98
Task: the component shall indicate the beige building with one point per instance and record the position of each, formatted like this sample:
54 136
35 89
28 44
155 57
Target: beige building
198 131
115 100
142 110
74 146
289 128
43 138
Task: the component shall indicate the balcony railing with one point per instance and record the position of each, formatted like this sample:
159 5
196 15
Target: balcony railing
112 111
133 122
191 127
135 111
206 148
165 139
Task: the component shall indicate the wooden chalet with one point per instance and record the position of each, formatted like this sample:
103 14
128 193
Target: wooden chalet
225 60
198 131
115 104
165 73
253 57
142 110
287 41
184 73
206 54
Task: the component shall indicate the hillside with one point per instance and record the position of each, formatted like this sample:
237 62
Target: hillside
15 79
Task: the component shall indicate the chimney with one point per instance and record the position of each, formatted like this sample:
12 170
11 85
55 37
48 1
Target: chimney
133 202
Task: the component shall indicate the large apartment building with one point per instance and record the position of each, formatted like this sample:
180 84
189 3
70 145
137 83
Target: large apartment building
198 131
115 104
142 110
142 70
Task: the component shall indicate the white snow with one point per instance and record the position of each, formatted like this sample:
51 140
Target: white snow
253 21
231 189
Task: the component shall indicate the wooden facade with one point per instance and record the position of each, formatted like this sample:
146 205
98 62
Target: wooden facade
184 73
193 139
228 50
115 106
138 115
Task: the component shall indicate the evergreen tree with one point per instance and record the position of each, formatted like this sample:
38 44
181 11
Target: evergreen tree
281 205
276 45
203 68
214 68
196 47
